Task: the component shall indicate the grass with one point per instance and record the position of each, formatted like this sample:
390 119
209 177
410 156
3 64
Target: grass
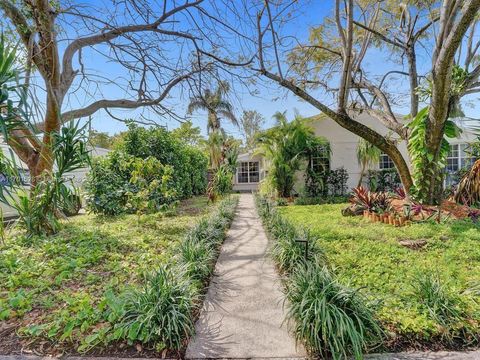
406 284
61 288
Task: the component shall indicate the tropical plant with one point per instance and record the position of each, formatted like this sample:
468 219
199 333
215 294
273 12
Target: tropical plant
468 189
222 180
364 199
367 155
40 209
400 193
285 145
331 319
422 158
216 104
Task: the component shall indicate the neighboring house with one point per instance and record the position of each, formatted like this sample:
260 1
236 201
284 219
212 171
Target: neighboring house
343 144
77 176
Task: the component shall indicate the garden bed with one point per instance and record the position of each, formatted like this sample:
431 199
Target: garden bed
55 292
374 258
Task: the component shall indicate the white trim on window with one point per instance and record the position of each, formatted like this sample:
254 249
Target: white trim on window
458 158
248 172
385 162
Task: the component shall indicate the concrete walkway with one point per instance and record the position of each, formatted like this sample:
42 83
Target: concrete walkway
242 314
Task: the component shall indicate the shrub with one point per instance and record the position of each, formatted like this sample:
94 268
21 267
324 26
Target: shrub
337 182
383 180
326 183
329 318
316 183
189 164
121 183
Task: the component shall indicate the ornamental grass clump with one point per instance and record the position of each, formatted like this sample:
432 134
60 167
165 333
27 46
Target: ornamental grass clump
161 311
202 244
443 305
330 319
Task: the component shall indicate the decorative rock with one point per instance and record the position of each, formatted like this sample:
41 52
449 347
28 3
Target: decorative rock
413 244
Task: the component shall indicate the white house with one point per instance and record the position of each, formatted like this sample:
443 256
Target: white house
343 143
77 176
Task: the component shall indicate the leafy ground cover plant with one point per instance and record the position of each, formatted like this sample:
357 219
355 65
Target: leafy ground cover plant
62 293
370 256
330 319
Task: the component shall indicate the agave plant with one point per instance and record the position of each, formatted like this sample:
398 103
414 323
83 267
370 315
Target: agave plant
468 190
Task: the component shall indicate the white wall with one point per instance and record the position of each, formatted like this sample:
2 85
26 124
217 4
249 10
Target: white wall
247 187
343 145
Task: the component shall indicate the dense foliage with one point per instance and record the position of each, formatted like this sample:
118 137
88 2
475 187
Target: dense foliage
149 169
285 145
383 180
326 184
423 160
430 297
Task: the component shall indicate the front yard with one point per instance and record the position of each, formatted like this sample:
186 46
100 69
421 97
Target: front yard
57 291
397 279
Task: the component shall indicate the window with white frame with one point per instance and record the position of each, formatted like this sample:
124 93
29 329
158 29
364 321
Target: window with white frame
248 172
459 157
385 162
321 161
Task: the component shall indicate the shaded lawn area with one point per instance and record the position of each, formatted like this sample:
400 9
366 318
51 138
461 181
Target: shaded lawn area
368 256
57 287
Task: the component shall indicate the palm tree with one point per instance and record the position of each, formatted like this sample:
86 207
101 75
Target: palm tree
285 146
217 106
367 154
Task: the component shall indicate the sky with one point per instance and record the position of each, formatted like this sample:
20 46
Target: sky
269 99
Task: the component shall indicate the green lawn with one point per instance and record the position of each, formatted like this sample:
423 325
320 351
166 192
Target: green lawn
368 256
58 287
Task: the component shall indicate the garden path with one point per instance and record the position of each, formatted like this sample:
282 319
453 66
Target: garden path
242 314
